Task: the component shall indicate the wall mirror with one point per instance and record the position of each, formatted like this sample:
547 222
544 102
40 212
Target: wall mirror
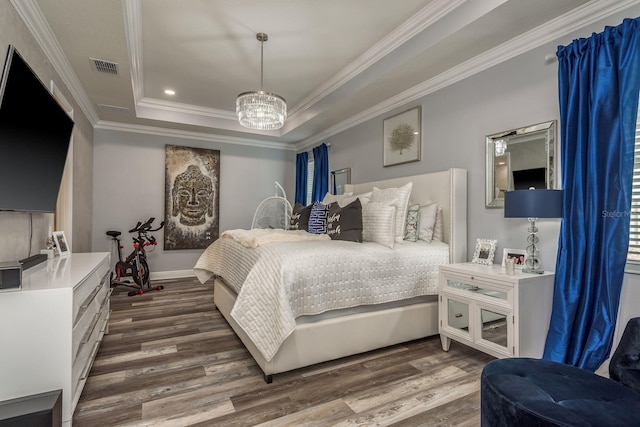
518 159
339 178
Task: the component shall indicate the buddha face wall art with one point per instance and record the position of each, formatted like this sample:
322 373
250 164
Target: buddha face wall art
192 184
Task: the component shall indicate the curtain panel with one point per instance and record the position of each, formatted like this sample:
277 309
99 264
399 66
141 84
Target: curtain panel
302 160
320 173
599 79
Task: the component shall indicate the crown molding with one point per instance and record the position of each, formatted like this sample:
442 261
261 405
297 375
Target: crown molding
132 12
423 19
33 18
199 136
552 30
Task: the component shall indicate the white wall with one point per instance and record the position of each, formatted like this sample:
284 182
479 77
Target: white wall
128 176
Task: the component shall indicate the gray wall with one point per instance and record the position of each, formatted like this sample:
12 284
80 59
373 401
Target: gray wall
15 228
129 173
455 120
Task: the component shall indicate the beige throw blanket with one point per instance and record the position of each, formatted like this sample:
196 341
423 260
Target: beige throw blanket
259 236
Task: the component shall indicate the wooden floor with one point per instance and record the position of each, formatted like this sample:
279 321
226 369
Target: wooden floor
170 359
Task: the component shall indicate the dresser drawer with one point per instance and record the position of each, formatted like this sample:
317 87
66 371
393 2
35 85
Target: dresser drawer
88 348
86 291
88 320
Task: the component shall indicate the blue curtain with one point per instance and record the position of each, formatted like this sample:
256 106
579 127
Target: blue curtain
599 79
302 160
320 173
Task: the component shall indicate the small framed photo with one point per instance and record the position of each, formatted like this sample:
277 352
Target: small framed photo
485 251
402 135
519 256
61 243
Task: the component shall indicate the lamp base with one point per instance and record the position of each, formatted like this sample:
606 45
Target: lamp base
532 270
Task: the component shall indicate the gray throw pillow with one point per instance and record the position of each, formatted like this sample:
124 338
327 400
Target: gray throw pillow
300 217
345 223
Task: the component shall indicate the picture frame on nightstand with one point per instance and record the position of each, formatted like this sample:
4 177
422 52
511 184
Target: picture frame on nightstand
519 256
485 251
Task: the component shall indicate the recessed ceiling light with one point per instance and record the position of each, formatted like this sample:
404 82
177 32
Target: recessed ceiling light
170 91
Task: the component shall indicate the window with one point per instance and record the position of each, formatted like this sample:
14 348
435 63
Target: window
633 256
310 168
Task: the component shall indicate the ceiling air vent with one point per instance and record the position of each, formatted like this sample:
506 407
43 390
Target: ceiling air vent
103 66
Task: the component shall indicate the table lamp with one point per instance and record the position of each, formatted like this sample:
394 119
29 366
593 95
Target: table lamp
533 204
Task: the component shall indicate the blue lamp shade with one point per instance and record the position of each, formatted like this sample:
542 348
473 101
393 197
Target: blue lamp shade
533 204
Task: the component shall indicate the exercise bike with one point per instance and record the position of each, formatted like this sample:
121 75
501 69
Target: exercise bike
135 265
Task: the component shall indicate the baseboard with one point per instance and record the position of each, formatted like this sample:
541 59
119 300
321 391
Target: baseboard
175 274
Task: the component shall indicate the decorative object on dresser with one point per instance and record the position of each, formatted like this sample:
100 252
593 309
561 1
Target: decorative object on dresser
485 251
61 243
502 315
52 329
192 188
533 204
402 135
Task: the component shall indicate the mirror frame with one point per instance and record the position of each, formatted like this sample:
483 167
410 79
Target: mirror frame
340 176
549 128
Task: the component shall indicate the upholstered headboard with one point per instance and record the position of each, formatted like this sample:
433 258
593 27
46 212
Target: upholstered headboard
447 188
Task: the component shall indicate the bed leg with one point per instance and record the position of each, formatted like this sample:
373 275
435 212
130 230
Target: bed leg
268 378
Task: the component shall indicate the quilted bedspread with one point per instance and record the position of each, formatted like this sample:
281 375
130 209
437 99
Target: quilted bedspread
279 281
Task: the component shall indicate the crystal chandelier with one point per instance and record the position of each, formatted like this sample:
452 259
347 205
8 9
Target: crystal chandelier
261 110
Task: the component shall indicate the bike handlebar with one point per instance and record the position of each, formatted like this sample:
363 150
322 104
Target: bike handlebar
143 228
159 227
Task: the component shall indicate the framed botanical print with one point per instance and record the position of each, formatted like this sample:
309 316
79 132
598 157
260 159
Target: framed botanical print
402 135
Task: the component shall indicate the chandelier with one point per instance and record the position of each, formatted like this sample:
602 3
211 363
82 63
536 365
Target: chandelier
261 110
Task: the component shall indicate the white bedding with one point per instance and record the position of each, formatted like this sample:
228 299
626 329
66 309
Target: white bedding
279 281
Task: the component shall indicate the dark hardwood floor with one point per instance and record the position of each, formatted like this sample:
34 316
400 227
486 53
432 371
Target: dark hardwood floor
170 359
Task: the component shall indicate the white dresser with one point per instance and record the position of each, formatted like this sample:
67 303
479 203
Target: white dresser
502 315
50 331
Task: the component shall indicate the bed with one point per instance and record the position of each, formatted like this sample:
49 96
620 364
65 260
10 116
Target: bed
282 335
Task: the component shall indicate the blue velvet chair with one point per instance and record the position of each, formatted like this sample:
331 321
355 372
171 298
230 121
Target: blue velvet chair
624 365
535 392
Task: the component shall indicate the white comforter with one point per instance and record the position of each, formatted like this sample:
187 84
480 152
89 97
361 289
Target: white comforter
279 281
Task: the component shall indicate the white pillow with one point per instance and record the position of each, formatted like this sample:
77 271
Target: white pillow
427 221
346 198
378 223
364 197
399 197
330 198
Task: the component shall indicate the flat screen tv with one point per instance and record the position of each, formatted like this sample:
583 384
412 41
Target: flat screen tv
34 139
